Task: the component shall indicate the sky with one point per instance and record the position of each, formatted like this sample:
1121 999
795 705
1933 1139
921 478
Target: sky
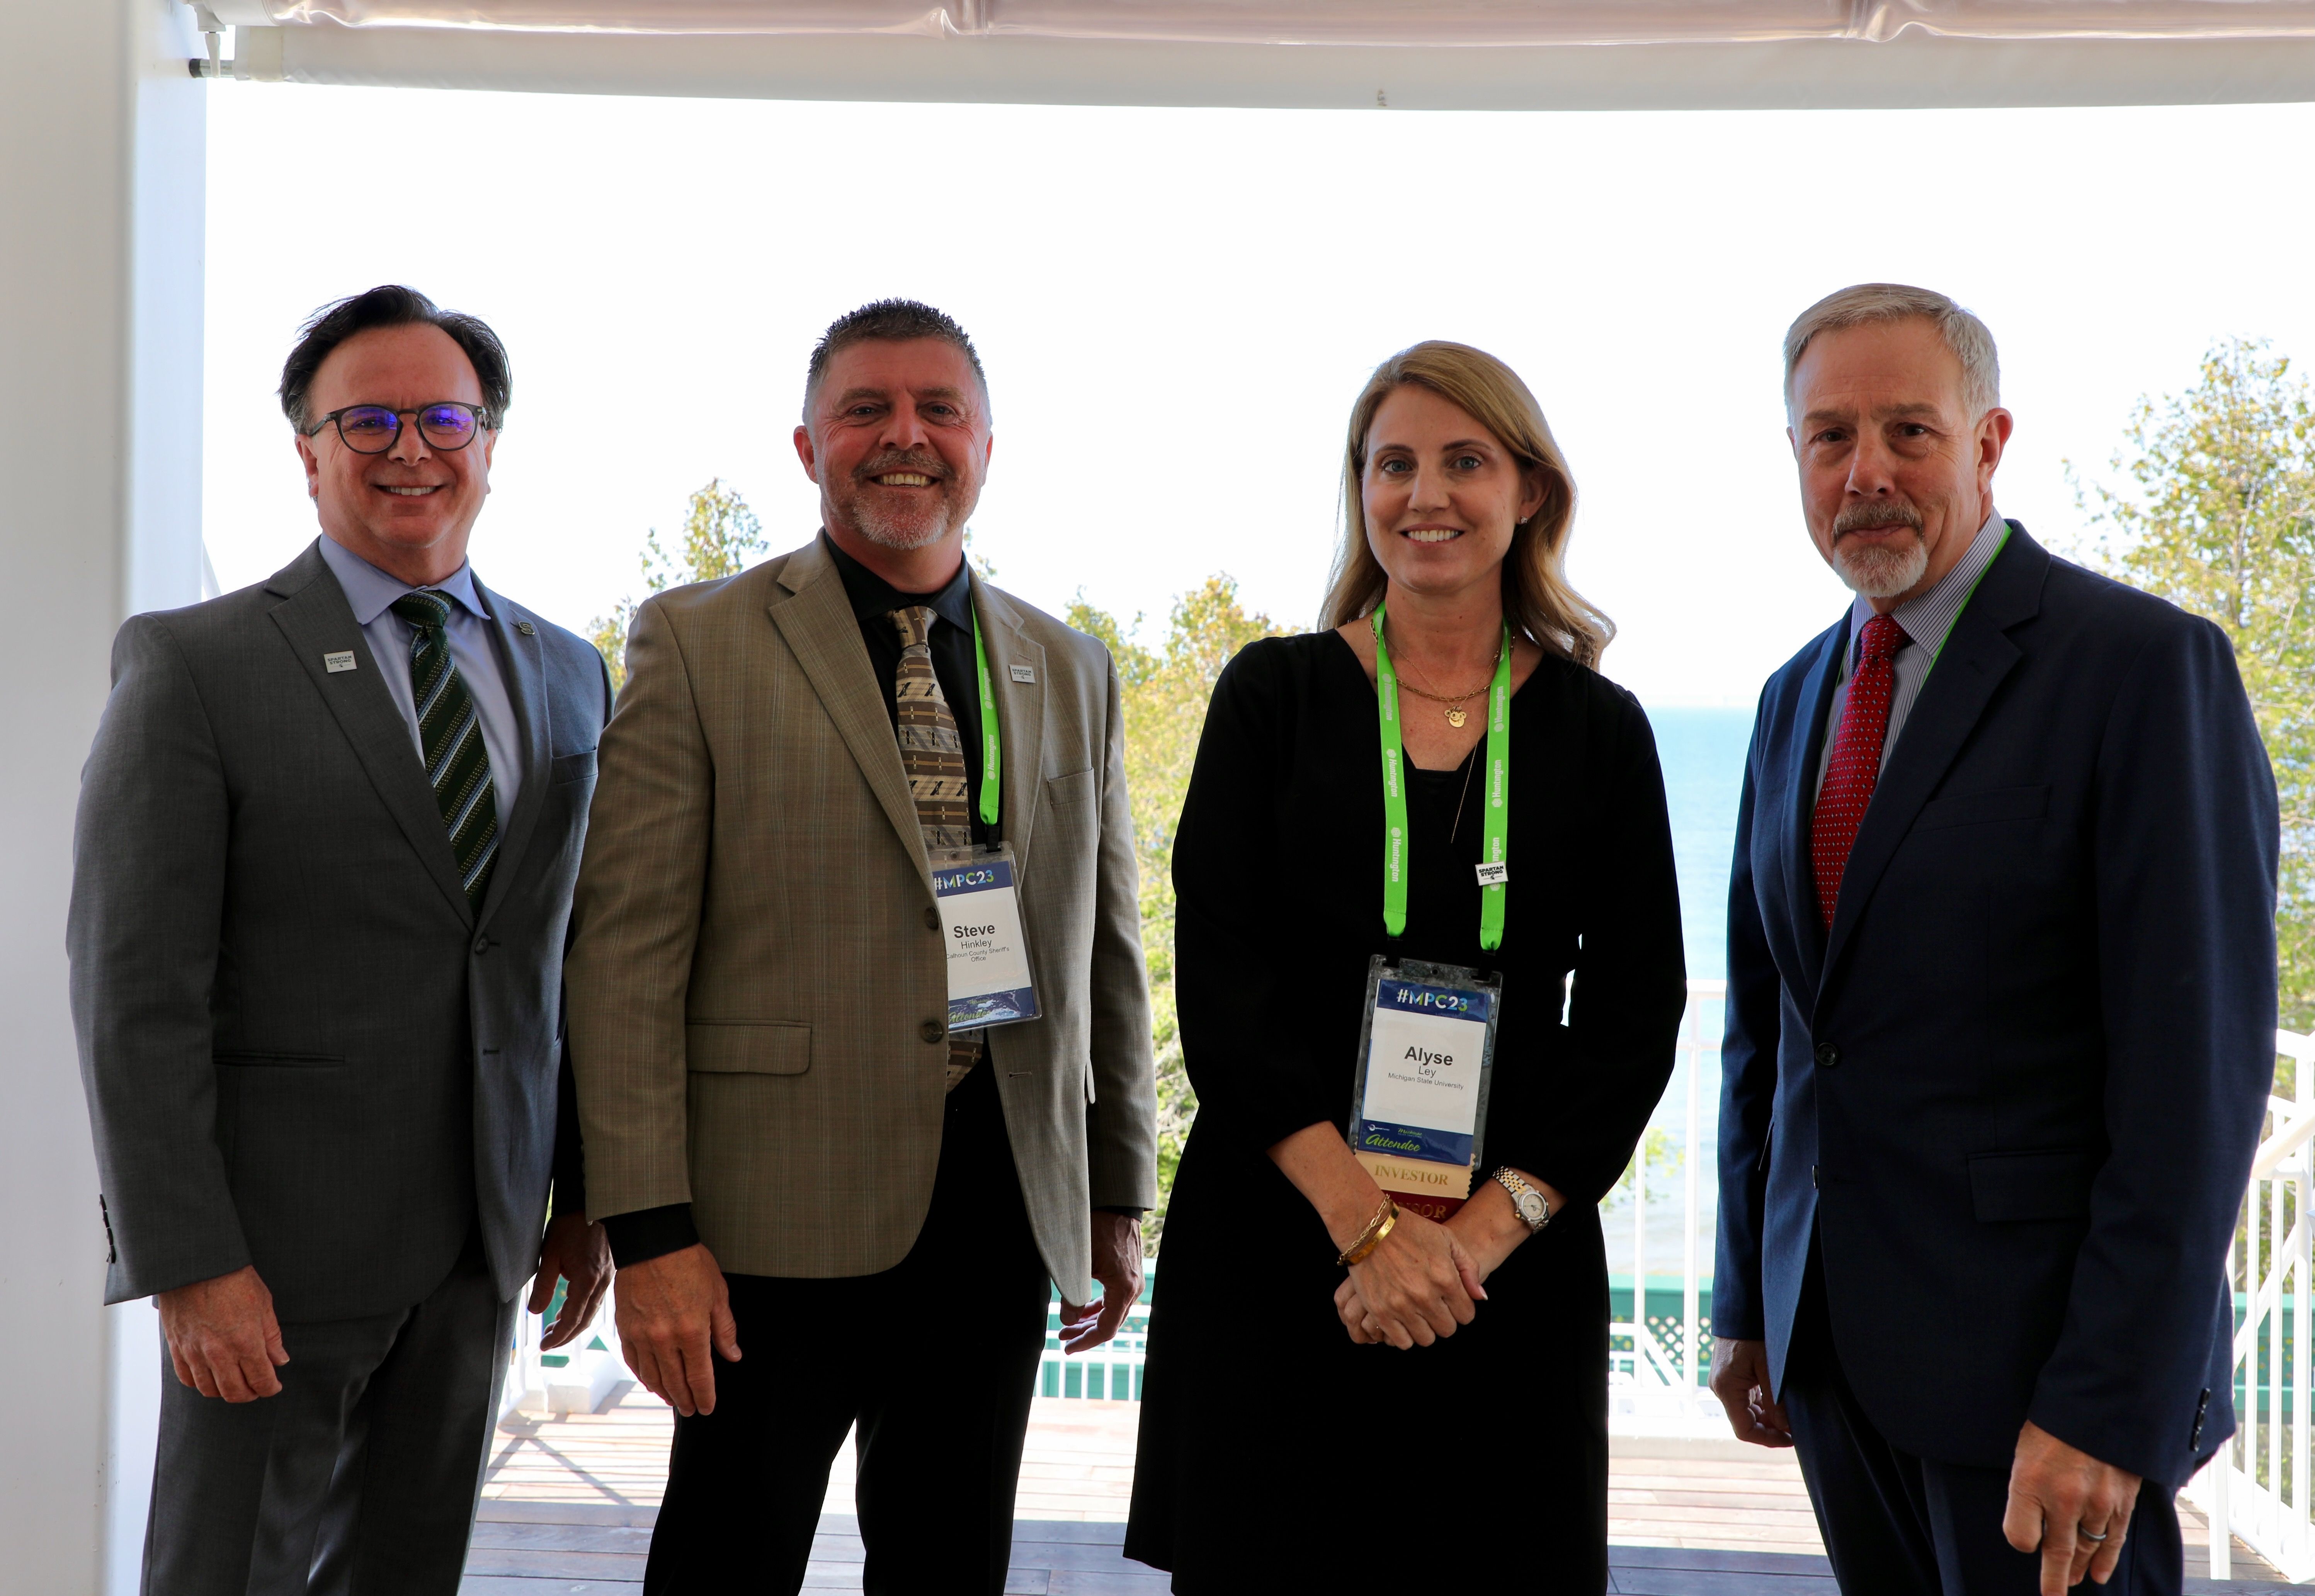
1177 307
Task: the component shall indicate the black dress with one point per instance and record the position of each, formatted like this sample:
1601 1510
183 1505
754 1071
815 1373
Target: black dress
1274 1454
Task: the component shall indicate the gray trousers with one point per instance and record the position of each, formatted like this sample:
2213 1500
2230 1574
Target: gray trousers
359 1478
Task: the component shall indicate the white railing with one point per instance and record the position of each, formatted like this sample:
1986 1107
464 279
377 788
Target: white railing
584 1377
1656 1381
2258 1486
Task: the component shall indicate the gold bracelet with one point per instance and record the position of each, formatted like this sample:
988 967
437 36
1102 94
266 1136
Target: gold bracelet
1371 1236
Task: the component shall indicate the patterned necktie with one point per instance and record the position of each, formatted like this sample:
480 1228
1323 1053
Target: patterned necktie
1856 765
933 756
450 740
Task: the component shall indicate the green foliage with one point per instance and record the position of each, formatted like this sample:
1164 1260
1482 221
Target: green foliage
721 535
2220 520
1166 690
1663 1164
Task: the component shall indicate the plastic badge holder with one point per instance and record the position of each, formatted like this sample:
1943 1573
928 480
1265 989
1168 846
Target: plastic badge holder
1426 1057
988 981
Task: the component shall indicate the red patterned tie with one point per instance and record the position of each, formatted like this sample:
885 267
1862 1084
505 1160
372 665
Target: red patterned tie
1856 766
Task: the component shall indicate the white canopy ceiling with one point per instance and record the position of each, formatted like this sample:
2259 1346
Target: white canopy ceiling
1520 54
1405 22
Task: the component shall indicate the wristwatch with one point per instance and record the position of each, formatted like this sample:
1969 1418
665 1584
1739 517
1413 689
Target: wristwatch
1526 1201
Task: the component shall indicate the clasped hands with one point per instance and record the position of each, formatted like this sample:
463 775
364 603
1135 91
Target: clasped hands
2063 1502
1426 1279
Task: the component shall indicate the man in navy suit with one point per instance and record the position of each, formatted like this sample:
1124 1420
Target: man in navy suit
2002 1003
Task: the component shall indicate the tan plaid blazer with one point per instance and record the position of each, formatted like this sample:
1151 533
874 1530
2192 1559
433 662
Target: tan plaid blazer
756 980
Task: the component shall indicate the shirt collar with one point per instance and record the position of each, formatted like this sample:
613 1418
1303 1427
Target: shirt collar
370 591
872 597
1928 618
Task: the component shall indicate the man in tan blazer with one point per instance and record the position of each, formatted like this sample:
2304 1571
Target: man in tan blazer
794 1154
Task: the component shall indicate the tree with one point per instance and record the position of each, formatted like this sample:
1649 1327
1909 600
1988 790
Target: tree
720 536
2220 522
1165 691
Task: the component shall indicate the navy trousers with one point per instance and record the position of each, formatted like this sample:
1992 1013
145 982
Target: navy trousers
1899 1525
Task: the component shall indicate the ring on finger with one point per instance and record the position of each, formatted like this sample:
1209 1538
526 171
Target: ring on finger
2084 1531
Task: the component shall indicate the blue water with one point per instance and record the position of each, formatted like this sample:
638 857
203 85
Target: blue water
1703 755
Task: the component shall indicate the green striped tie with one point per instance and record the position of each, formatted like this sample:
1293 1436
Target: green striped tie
450 739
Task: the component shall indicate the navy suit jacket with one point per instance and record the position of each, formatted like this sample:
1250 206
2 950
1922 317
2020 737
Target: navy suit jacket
2014 1091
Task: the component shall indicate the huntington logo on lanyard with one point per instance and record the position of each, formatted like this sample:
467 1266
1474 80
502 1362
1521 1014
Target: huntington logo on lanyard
1494 865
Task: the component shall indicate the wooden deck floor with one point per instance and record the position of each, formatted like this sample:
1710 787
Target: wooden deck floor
568 1506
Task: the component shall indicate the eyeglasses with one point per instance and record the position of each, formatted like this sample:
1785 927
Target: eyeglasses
372 429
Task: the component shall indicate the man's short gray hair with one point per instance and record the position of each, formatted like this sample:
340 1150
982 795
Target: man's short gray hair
1964 335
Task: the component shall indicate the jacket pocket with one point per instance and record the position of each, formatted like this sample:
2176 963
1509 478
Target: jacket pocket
1076 788
1978 809
722 1047
249 1061
2053 1185
570 767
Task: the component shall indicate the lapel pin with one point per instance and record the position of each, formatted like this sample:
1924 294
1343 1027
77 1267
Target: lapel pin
343 659
526 628
1024 673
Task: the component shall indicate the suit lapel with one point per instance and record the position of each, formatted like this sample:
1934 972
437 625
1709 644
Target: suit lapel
1978 655
1020 709
815 619
315 618
1800 797
523 659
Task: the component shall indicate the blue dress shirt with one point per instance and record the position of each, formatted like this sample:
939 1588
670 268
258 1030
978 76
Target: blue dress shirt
371 593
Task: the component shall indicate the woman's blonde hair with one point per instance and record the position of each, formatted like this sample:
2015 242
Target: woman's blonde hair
1537 602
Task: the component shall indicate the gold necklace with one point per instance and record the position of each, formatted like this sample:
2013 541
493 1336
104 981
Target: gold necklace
1455 713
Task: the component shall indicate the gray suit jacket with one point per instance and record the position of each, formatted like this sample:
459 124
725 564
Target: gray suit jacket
302 1047
757 981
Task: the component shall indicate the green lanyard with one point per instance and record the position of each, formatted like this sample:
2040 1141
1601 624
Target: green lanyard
991 752
1496 831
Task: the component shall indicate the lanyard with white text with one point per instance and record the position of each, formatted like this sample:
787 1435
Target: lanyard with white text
991 753
1496 828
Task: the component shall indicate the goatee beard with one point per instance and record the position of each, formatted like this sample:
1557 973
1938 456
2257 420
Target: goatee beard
1875 569
917 531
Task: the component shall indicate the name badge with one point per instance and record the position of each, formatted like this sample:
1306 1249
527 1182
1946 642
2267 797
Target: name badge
989 981
1426 1055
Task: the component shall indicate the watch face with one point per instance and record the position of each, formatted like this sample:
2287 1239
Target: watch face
1532 1207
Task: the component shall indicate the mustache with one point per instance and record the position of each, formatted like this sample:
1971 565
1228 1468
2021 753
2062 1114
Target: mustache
1874 514
902 460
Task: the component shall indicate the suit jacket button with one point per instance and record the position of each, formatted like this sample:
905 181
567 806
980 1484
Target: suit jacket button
932 918
1828 1057
482 945
932 1030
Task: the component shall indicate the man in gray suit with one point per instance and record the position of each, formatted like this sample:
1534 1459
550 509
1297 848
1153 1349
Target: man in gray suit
322 869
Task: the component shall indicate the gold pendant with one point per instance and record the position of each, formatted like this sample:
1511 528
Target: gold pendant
1455 717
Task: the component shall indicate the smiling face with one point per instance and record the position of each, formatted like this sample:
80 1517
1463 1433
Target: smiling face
408 511
1896 475
897 439
1440 493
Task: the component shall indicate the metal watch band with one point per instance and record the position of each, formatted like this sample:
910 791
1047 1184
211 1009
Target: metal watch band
1510 1181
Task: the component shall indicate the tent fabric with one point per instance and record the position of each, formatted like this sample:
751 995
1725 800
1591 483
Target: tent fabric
1399 24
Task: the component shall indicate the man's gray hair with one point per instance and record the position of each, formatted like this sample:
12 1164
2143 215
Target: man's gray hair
1964 335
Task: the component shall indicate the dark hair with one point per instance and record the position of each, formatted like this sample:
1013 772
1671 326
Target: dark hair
890 321
392 306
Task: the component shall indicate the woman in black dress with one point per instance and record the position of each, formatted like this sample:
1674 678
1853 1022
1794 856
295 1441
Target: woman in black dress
1434 1416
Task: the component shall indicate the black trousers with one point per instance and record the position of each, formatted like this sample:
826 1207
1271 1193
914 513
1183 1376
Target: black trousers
935 1361
359 1477
1899 1525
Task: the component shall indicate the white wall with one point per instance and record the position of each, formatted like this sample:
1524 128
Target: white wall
102 174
